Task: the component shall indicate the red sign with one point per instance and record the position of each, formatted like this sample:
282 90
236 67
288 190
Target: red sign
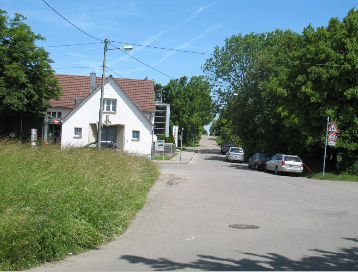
333 128
332 137
56 121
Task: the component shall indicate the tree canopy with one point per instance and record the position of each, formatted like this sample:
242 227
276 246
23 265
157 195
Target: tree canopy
286 85
191 105
26 78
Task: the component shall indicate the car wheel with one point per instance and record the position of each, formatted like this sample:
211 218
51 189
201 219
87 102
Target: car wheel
276 170
248 165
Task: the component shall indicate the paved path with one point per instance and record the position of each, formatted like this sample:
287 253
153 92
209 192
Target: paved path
207 214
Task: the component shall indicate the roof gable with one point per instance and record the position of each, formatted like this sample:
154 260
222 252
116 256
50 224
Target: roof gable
118 89
74 87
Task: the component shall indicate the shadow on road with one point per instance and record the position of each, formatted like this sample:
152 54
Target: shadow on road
343 260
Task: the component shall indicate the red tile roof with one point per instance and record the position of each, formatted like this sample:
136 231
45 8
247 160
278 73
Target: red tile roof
74 87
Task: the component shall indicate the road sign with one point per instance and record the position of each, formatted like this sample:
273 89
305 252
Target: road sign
332 143
333 128
332 137
159 145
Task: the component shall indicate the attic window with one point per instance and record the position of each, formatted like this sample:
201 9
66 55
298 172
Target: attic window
110 105
55 114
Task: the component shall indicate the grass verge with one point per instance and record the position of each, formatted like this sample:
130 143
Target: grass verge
160 158
55 202
332 176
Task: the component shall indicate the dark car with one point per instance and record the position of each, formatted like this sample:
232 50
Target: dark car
226 146
105 144
258 160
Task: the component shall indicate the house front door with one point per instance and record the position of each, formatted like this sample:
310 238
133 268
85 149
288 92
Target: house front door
109 134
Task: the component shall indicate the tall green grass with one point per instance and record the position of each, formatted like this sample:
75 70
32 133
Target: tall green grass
55 202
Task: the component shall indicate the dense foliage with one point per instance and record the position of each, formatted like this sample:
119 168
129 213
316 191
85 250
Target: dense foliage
286 85
191 105
26 78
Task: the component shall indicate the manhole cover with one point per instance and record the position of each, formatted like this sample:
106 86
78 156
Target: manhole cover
243 226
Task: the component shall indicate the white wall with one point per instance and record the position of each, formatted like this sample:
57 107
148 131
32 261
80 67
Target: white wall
127 114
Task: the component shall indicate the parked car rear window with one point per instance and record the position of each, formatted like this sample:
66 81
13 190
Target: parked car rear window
236 150
292 158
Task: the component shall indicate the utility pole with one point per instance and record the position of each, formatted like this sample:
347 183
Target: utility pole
100 123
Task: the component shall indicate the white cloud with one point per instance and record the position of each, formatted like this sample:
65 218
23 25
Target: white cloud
78 55
200 10
187 44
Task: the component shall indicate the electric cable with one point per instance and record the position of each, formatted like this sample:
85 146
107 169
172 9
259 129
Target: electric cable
71 23
76 44
100 40
168 49
142 62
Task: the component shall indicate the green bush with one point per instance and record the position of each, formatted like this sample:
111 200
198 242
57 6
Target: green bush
167 140
353 169
54 202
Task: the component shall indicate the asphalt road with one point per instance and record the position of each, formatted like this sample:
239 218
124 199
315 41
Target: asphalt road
214 215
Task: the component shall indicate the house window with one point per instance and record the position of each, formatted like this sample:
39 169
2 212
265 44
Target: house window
78 132
55 114
135 135
110 105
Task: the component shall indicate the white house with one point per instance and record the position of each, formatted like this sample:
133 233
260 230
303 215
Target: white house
128 114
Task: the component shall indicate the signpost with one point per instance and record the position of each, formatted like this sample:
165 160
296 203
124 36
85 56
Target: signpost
331 137
33 137
159 146
175 135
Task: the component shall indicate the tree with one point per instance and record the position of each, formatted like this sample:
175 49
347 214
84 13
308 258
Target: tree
27 82
322 82
241 68
191 106
286 84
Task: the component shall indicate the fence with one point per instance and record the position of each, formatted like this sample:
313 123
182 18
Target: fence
169 150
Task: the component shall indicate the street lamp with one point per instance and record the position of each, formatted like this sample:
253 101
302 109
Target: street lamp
100 123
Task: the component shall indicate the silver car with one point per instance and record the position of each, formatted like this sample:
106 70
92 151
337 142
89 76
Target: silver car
281 163
235 154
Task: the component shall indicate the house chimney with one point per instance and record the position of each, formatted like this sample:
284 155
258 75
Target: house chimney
92 81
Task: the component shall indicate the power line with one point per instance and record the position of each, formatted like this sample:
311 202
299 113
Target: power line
71 23
141 45
101 40
76 67
76 44
107 68
168 49
147 65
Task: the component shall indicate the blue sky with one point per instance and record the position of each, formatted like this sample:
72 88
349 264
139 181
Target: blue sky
185 25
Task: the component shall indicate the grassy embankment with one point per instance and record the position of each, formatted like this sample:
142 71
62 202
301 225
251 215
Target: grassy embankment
56 202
